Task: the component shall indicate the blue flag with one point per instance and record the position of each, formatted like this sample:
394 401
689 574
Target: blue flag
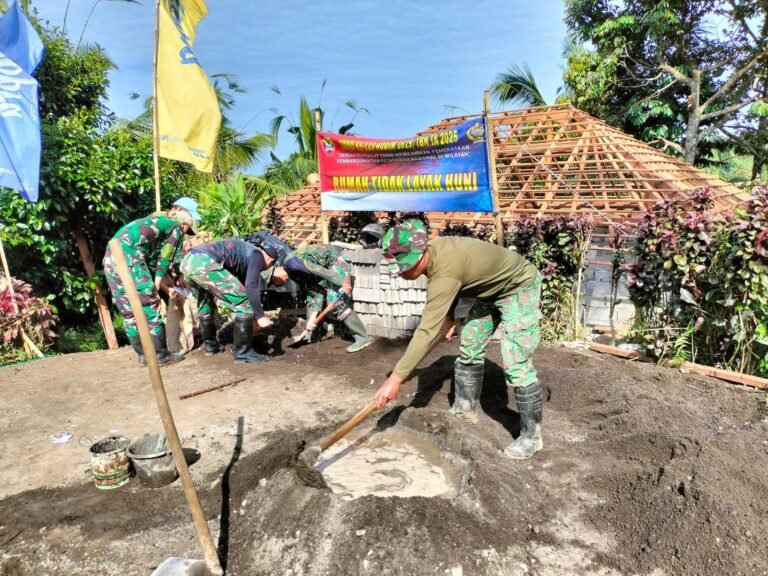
20 142
19 40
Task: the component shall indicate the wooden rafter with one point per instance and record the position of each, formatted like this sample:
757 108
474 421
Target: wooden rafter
552 160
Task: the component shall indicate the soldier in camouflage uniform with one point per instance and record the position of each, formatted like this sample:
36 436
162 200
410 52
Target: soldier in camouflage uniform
323 272
229 271
152 246
506 288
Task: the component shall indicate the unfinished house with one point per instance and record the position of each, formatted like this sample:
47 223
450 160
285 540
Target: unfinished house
547 160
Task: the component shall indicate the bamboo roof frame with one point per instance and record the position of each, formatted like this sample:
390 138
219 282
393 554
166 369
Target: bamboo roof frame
552 160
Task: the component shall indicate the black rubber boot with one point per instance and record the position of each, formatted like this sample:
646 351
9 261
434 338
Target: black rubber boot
358 331
243 337
208 326
137 347
164 357
467 386
529 442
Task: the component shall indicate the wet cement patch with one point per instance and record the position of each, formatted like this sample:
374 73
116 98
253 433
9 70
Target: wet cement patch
389 462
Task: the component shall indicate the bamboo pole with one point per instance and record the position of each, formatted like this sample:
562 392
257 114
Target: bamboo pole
155 113
492 168
28 344
323 215
198 516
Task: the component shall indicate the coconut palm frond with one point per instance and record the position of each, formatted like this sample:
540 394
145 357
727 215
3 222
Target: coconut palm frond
517 86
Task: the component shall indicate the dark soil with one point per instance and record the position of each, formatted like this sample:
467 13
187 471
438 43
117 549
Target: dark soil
644 471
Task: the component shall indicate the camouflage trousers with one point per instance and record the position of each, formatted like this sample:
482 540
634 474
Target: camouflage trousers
214 282
145 285
519 317
316 301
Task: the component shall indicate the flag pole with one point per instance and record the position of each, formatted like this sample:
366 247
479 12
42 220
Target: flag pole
155 114
492 168
28 344
323 215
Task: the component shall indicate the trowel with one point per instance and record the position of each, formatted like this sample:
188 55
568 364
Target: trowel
307 334
305 463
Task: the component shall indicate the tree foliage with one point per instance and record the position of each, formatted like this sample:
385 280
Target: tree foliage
233 207
675 72
283 176
94 177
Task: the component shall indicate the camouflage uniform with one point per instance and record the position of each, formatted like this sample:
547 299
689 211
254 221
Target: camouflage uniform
328 268
151 246
214 281
507 289
519 317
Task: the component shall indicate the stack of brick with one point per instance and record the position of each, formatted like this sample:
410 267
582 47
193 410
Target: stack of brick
388 305
391 307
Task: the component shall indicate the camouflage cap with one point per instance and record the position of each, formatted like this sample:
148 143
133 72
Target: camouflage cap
403 245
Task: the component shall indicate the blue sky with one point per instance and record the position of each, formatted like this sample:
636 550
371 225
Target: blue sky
403 60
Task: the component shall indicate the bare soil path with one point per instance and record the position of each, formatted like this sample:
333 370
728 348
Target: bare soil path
645 471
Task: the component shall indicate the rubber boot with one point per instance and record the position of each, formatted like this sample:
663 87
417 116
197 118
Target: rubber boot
208 326
529 442
137 347
467 386
164 357
359 333
243 337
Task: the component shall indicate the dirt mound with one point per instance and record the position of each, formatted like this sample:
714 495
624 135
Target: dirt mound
644 471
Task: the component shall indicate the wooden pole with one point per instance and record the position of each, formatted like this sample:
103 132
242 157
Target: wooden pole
101 303
210 389
323 215
28 344
198 516
155 114
492 168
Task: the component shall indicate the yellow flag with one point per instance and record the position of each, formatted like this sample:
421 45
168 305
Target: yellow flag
189 117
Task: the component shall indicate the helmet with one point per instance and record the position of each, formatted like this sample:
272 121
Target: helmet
371 235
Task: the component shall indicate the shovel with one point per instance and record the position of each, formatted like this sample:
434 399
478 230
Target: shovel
305 464
307 334
174 566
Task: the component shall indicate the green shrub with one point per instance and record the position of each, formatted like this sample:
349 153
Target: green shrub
557 246
700 283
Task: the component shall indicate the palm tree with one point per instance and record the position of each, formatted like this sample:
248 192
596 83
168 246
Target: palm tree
283 176
517 86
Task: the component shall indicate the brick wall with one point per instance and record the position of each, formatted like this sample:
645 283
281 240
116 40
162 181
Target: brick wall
391 307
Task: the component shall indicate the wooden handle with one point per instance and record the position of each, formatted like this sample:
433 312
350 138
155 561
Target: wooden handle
325 311
330 440
150 355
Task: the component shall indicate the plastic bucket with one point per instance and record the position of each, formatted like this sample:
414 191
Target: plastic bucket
153 462
109 462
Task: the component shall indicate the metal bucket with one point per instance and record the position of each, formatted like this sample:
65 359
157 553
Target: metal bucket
153 461
109 462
